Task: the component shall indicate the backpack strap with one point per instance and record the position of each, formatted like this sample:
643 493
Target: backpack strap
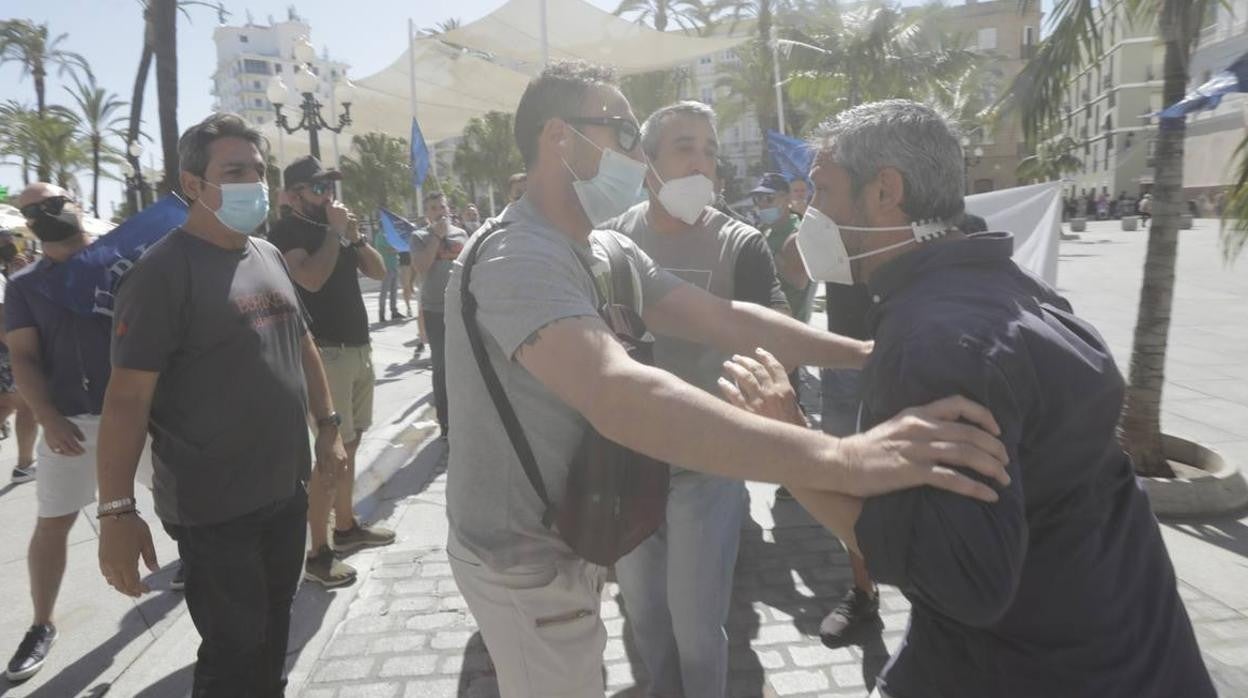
621 271
515 431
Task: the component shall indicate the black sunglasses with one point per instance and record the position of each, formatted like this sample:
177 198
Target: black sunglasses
319 188
627 133
53 205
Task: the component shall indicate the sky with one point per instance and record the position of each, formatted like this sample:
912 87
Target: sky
366 34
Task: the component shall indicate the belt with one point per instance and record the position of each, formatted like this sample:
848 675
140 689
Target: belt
339 345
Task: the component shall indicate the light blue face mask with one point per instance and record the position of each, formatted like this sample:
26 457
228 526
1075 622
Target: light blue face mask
243 205
768 216
615 189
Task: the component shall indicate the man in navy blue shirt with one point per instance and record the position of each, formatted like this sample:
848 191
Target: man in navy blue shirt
61 366
1063 587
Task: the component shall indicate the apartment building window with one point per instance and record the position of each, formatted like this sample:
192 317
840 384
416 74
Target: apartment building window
986 39
277 68
242 38
1029 36
255 84
258 102
255 67
704 60
708 95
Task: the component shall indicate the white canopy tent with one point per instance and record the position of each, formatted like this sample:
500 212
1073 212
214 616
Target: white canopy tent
454 83
534 32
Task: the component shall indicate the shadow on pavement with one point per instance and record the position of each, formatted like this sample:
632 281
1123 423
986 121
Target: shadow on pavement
12 486
75 679
410 480
476 676
1226 532
177 683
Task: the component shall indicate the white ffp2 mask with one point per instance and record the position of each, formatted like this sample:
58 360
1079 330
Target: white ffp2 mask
822 248
686 198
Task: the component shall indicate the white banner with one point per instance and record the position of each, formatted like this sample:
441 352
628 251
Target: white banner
1034 215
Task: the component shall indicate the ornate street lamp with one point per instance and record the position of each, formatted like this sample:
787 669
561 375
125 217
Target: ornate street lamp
970 158
310 119
132 169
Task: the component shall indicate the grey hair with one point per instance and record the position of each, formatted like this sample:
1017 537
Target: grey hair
653 127
910 137
193 146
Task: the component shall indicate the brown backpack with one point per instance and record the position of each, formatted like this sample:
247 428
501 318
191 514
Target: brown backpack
615 497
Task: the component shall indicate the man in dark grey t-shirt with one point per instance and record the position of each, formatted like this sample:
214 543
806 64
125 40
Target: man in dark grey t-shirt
677 584
211 353
434 250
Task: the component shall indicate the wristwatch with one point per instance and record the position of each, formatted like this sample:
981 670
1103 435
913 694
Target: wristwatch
332 420
115 505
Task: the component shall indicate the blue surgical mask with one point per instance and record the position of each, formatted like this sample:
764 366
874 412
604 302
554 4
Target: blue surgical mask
243 205
615 189
768 216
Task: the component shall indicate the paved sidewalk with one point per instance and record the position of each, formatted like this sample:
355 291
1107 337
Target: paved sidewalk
112 644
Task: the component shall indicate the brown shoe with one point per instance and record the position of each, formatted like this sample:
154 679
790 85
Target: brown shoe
362 537
327 570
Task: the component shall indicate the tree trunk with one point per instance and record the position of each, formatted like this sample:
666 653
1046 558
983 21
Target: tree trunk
43 168
767 107
95 176
136 108
1141 424
165 36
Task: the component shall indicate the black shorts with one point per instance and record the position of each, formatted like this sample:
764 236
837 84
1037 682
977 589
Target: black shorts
405 259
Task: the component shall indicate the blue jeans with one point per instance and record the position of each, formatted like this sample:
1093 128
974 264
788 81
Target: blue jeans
389 287
677 586
842 395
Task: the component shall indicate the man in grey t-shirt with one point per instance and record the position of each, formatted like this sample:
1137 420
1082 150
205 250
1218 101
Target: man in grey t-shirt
211 353
436 247
677 584
561 368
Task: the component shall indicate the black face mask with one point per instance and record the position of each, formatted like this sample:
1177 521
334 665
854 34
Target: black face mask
8 252
54 228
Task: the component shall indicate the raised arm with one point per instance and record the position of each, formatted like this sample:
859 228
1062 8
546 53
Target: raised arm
579 360
694 315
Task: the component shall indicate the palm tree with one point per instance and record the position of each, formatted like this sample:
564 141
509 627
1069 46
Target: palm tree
443 27
12 114
1053 159
692 16
52 143
749 86
875 51
487 154
25 42
1037 93
164 19
378 174
648 92
31 45
1235 212
96 107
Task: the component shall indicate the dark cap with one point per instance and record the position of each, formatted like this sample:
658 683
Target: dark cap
771 183
306 170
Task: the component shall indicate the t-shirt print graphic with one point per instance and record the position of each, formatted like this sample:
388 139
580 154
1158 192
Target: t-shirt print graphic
261 309
449 250
698 277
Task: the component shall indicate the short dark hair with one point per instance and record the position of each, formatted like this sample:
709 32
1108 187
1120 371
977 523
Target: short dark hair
430 196
194 143
557 92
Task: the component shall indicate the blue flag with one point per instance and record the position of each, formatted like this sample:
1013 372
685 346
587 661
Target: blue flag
793 156
1210 94
397 229
86 282
420 156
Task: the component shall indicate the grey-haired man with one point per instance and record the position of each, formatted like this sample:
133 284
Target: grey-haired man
1063 587
678 583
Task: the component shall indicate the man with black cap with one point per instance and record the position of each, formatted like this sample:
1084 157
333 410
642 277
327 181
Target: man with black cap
778 224
321 242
